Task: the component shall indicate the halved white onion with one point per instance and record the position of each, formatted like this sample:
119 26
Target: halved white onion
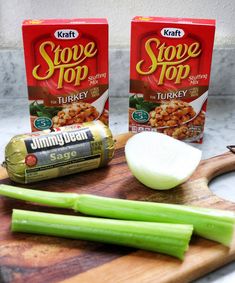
159 161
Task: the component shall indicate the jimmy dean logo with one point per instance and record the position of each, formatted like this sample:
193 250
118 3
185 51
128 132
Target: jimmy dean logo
66 61
168 59
57 139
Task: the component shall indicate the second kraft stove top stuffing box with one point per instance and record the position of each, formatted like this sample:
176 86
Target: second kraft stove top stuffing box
169 75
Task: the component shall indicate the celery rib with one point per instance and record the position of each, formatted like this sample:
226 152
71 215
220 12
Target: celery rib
212 224
170 239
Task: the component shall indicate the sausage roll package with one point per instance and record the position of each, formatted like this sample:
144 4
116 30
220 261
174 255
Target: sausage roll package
67 71
169 75
61 151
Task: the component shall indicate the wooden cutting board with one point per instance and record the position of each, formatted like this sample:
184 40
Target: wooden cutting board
41 259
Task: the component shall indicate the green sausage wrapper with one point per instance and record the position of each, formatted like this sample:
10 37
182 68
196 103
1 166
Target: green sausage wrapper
57 152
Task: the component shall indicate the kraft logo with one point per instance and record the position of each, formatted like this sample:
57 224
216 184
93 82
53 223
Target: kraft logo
66 34
172 32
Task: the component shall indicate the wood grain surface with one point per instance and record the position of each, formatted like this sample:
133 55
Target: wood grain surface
41 259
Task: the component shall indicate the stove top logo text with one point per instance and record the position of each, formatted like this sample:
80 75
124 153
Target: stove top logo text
67 62
168 60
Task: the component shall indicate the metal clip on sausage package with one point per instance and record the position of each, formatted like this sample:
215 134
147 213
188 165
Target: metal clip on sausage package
62 151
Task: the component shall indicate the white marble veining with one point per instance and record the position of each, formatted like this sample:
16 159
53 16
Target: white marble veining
12 74
219 132
13 81
223 72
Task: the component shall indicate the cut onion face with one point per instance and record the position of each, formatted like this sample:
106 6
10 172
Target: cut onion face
159 161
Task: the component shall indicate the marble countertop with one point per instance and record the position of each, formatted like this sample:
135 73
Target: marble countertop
219 132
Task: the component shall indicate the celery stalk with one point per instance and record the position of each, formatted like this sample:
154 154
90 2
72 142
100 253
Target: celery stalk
213 224
63 200
170 239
